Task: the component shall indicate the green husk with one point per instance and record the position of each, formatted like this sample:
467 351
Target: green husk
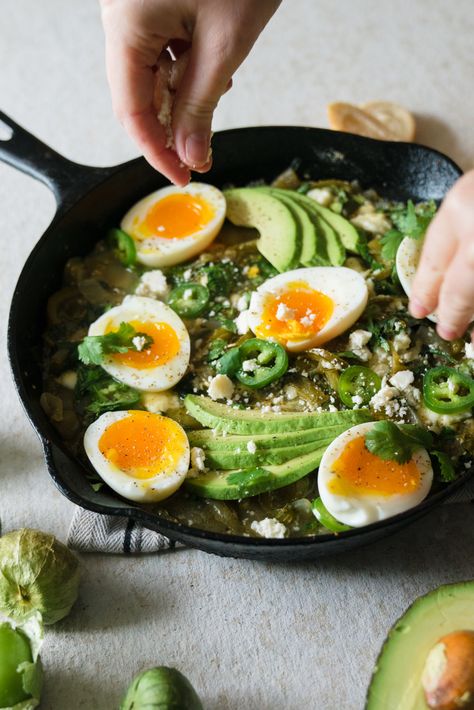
31 671
161 688
37 574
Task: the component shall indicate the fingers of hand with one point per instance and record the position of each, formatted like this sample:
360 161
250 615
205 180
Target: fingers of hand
456 300
438 250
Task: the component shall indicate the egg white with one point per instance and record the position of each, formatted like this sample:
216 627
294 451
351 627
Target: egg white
346 287
143 309
148 490
156 251
408 256
360 510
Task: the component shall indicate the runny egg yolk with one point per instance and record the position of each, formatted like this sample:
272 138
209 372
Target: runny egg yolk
143 444
358 471
164 348
296 313
177 216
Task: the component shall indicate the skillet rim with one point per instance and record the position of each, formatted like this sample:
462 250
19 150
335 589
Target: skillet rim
98 176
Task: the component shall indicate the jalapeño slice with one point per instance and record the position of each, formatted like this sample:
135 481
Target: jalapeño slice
189 300
358 381
447 391
262 361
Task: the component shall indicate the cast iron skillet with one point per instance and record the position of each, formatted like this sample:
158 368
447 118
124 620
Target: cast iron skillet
90 200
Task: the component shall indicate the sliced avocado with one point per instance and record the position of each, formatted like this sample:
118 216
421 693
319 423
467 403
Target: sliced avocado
243 483
308 229
330 236
396 682
207 439
242 458
347 232
253 421
280 234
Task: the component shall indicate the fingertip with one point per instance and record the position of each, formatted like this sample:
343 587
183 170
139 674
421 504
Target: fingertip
417 309
446 333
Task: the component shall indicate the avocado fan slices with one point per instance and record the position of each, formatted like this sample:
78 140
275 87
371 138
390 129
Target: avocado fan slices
259 453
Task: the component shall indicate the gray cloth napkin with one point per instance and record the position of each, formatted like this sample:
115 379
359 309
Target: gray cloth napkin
92 532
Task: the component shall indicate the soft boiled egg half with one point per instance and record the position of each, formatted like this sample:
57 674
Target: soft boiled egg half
160 365
359 488
304 308
408 256
142 456
175 223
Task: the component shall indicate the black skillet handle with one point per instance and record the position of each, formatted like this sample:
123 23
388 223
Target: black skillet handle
67 180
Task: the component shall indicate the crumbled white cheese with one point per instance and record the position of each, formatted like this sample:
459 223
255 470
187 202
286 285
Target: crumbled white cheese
138 342
436 422
357 343
469 350
284 313
251 447
322 195
242 323
68 379
249 365
375 222
402 379
308 320
357 400
220 387
153 285
383 396
198 458
187 274
188 294
269 528
160 401
401 341
291 392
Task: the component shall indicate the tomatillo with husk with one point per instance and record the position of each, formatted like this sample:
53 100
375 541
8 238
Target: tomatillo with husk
37 574
20 666
161 688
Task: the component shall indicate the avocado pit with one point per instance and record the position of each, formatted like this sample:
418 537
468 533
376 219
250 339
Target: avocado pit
448 674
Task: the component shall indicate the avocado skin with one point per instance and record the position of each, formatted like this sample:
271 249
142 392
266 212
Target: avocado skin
244 483
396 680
280 233
241 421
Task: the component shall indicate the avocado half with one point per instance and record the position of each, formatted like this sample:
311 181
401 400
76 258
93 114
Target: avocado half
396 681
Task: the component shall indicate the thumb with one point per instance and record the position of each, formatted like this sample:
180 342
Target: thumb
205 80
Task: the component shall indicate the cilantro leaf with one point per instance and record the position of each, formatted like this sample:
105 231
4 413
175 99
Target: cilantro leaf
413 221
100 393
390 241
396 442
446 468
94 347
216 348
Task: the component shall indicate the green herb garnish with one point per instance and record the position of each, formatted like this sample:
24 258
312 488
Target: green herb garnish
94 347
413 221
390 241
446 468
397 442
101 393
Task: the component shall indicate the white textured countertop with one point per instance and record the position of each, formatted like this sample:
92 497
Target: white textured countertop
249 636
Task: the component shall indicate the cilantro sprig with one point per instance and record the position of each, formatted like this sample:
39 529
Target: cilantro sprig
94 348
397 442
99 393
409 221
